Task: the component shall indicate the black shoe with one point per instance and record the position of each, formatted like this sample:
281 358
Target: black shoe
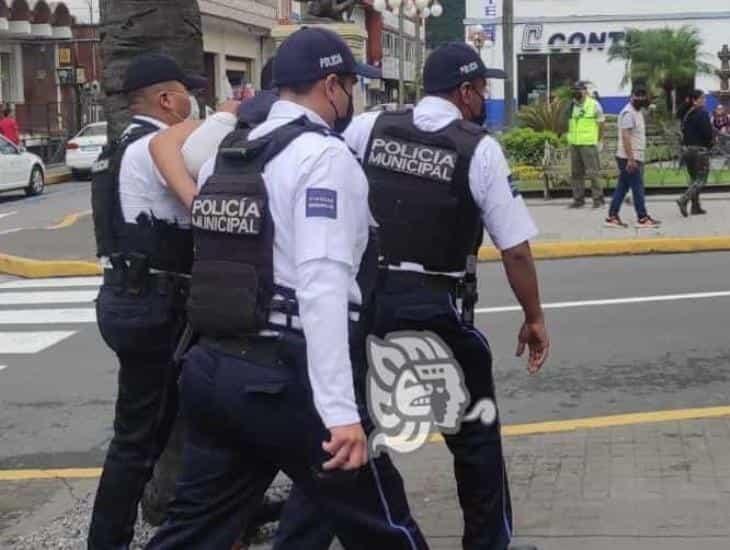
523 547
698 211
577 204
682 203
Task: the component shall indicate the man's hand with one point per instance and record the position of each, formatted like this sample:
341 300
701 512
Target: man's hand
348 447
229 106
632 166
534 335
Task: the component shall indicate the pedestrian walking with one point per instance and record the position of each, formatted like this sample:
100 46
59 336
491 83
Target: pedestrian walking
630 157
585 132
431 225
9 126
698 138
281 232
145 245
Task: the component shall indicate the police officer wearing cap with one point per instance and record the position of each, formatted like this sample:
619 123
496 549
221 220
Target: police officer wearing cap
437 180
145 245
281 229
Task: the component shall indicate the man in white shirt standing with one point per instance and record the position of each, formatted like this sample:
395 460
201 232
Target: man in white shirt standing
437 180
281 228
630 156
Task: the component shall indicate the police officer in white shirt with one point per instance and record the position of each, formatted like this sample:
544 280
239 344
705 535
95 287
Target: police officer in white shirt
281 228
145 245
437 180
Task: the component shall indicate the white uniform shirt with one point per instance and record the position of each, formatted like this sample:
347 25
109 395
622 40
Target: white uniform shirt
503 210
318 197
632 120
141 187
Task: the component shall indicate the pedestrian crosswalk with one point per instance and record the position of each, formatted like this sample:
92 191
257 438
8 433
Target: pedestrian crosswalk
38 314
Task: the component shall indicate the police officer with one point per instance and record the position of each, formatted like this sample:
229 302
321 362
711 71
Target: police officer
436 181
585 131
145 245
281 228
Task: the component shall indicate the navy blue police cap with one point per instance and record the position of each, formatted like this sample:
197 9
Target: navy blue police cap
452 64
312 53
149 69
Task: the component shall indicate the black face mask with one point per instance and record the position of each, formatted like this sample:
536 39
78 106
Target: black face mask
639 103
480 117
578 95
342 122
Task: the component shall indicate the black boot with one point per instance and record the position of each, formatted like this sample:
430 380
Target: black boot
697 209
682 203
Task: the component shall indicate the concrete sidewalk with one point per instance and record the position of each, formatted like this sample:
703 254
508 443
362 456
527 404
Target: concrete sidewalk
563 233
652 486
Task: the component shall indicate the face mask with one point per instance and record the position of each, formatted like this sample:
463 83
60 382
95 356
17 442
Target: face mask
342 122
639 103
193 113
578 95
481 116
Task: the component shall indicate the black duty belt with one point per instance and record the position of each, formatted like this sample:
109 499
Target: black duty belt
163 282
257 349
396 280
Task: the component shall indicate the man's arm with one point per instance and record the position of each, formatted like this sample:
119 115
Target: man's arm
511 227
522 276
179 151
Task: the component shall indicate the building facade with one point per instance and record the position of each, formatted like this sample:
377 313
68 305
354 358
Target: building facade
559 41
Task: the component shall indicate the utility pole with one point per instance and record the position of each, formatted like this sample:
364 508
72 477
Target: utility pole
508 20
419 57
401 57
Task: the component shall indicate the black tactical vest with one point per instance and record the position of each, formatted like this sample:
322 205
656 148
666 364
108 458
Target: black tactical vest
166 246
233 273
419 192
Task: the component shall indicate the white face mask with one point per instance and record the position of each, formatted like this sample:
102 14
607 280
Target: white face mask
194 109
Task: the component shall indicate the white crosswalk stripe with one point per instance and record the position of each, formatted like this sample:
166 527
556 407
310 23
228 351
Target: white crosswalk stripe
29 322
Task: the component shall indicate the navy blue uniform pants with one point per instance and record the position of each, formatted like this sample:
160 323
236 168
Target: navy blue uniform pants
479 467
142 330
249 415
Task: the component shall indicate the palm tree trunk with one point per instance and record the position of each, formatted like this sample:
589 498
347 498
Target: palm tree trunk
131 27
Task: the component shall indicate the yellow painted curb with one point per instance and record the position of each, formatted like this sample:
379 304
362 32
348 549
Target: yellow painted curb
535 428
69 473
62 177
618 247
39 269
598 422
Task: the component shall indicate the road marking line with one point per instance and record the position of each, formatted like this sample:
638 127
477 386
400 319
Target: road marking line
50 297
69 220
22 343
56 282
3 367
9 231
535 428
46 316
7 214
614 301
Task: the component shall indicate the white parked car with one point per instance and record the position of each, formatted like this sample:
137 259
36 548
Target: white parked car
84 148
20 170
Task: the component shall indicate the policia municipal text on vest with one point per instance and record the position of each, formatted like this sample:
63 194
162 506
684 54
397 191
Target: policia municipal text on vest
232 286
420 197
133 248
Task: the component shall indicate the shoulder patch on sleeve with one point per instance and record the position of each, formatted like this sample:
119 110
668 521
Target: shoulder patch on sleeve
321 203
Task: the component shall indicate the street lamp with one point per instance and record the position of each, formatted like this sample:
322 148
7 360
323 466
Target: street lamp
412 9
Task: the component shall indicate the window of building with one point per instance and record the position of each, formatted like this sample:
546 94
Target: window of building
539 75
5 84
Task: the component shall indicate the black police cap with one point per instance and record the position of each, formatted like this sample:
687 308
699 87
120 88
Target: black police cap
312 53
152 68
453 64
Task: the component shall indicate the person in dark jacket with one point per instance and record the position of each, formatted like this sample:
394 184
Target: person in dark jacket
697 140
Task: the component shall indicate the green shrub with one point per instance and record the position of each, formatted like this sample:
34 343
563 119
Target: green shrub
545 116
526 146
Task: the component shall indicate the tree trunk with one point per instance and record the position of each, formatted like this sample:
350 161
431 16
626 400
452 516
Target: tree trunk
129 28
132 27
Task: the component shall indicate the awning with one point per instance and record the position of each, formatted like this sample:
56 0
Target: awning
34 19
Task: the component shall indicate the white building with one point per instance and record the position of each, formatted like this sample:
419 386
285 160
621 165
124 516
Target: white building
560 41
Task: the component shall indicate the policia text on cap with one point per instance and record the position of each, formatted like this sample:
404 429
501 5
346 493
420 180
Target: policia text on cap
276 380
145 245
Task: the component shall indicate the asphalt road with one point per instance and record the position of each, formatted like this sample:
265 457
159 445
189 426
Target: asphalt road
56 405
20 212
